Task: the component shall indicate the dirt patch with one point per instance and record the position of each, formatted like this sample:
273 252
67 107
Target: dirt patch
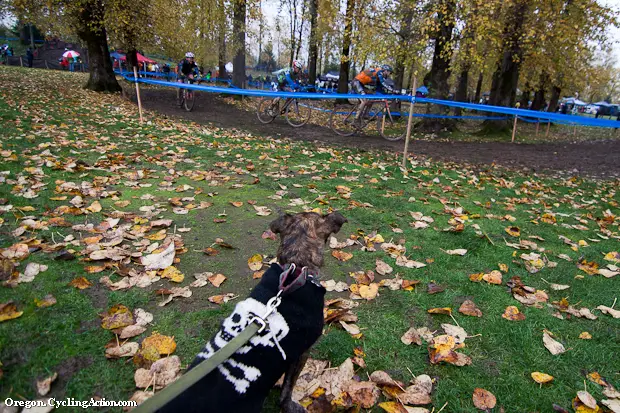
596 158
98 295
66 370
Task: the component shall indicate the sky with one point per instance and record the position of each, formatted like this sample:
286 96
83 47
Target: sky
614 32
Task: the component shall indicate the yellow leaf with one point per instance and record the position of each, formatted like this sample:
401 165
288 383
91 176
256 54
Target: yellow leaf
8 311
116 317
47 301
513 231
512 313
369 292
585 336
173 273
163 344
80 283
443 310
541 378
503 267
342 255
94 207
255 262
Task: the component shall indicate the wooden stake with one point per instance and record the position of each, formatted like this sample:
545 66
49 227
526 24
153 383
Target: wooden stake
575 131
135 75
21 61
514 129
548 125
414 82
537 126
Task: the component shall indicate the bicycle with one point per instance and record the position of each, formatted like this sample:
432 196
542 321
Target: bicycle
186 98
296 111
391 124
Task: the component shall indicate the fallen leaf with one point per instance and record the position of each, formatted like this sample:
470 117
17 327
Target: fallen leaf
513 231
80 283
613 405
211 251
142 317
236 204
512 313
94 207
469 308
47 301
459 251
217 279
494 277
125 350
411 336
383 268
160 261
221 299
116 317
165 345
541 378
131 331
442 310
484 399
342 255
160 374
585 336
255 262
176 292
608 310
457 332
362 393
587 399
173 274
369 292
552 345
44 386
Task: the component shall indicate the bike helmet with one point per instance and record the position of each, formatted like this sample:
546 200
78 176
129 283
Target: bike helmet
297 64
387 68
189 54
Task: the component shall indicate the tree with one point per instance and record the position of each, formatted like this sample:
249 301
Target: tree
239 14
313 48
343 81
437 79
506 75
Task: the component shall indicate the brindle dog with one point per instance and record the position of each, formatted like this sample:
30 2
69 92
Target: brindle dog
302 238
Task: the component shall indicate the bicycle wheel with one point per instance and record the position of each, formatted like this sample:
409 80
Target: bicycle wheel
342 119
392 124
298 112
180 97
267 111
190 99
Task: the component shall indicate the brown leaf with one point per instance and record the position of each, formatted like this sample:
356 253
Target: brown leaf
512 313
269 235
44 386
494 277
469 308
587 399
217 279
342 255
433 288
383 268
116 317
131 331
211 251
125 350
552 345
221 299
364 393
411 336
80 283
484 399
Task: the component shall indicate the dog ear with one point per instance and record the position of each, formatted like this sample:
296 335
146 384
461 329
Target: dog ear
277 226
334 222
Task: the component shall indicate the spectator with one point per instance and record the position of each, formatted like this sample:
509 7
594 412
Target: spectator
64 63
209 74
250 79
166 70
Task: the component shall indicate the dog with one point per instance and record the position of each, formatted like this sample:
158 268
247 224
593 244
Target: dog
242 383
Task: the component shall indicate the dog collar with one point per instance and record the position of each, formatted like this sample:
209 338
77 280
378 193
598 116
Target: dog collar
293 278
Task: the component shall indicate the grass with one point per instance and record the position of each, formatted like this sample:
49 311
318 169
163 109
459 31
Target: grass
49 123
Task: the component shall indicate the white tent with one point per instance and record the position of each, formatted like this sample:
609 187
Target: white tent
576 102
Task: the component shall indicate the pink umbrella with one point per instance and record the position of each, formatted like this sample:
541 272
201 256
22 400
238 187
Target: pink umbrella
70 54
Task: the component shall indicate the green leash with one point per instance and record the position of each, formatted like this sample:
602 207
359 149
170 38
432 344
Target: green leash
162 398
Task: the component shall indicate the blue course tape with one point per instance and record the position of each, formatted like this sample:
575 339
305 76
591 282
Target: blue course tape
520 113
556 117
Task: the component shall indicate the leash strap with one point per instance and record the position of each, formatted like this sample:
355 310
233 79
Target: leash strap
159 400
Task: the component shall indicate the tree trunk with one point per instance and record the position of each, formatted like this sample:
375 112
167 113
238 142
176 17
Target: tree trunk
506 76
221 56
31 37
479 88
343 81
461 89
102 78
239 30
440 69
313 50
555 97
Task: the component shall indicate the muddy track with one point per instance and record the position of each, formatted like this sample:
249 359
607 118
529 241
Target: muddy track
597 158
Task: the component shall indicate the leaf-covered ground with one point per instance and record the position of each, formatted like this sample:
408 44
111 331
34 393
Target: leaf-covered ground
137 214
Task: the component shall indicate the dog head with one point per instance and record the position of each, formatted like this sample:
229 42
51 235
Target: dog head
303 235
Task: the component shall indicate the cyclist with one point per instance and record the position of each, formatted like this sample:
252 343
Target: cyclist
373 77
187 69
288 78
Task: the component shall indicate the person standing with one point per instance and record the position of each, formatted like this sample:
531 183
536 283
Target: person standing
29 57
